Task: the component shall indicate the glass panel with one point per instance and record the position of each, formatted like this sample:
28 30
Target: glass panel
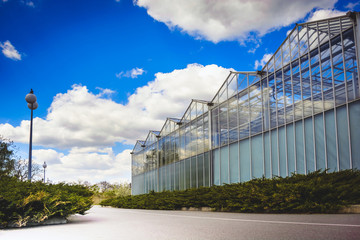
290 148
320 142
223 93
266 111
224 128
200 135
163 178
234 163
244 160
297 90
257 156
137 184
193 172
327 77
285 49
177 176
280 98
278 59
216 165
294 44
343 138
206 132
274 153
233 119
350 64
224 161
282 152
215 127
187 140
232 87
200 170
267 155
331 141
182 152
182 175
193 138
309 145
242 82
338 70
316 82
207 169
255 108
272 101
187 174
306 86
168 177
288 98
299 138
354 112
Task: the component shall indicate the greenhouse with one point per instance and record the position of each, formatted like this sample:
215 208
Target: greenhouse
299 114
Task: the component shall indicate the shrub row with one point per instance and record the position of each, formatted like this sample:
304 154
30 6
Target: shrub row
22 203
317 192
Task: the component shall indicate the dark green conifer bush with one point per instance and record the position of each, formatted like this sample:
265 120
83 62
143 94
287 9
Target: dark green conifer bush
317 192
23 202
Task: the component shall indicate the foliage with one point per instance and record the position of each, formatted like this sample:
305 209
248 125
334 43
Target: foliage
23 202
317 192
11 165
105 190
7 161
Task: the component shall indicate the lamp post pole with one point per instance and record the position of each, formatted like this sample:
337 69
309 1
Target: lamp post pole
44 166
32 104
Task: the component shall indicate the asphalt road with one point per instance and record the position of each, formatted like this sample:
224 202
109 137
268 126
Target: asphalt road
111 223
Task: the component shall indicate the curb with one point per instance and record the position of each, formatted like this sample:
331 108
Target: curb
352 209
51 221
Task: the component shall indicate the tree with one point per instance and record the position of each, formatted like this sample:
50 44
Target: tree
104 186
12 165
7 160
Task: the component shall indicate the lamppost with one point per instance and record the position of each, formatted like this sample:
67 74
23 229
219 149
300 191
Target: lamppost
44 166
32 104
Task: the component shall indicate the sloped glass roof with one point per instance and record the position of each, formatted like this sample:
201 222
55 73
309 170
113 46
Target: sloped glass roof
195 109
305 37
170 125
138 146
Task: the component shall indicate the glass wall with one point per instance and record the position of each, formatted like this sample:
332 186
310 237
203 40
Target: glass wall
299 114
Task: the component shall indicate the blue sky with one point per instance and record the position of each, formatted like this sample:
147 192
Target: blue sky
107 71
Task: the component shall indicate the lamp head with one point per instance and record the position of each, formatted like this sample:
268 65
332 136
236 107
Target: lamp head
33 106
30 97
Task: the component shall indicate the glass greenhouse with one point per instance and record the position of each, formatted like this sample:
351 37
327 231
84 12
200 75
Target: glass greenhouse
299 114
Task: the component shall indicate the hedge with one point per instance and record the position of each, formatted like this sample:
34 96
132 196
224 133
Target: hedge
317 192
22 203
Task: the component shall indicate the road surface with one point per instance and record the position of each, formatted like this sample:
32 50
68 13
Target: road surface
111 223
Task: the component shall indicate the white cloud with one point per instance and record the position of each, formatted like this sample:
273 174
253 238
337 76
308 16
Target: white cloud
9 51
133 73
351 6
87 125
94 166
229 19
325 13
263 61
49 156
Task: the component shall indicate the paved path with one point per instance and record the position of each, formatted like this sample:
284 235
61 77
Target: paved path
111 223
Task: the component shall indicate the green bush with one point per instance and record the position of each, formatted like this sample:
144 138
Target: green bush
33 202
317 192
